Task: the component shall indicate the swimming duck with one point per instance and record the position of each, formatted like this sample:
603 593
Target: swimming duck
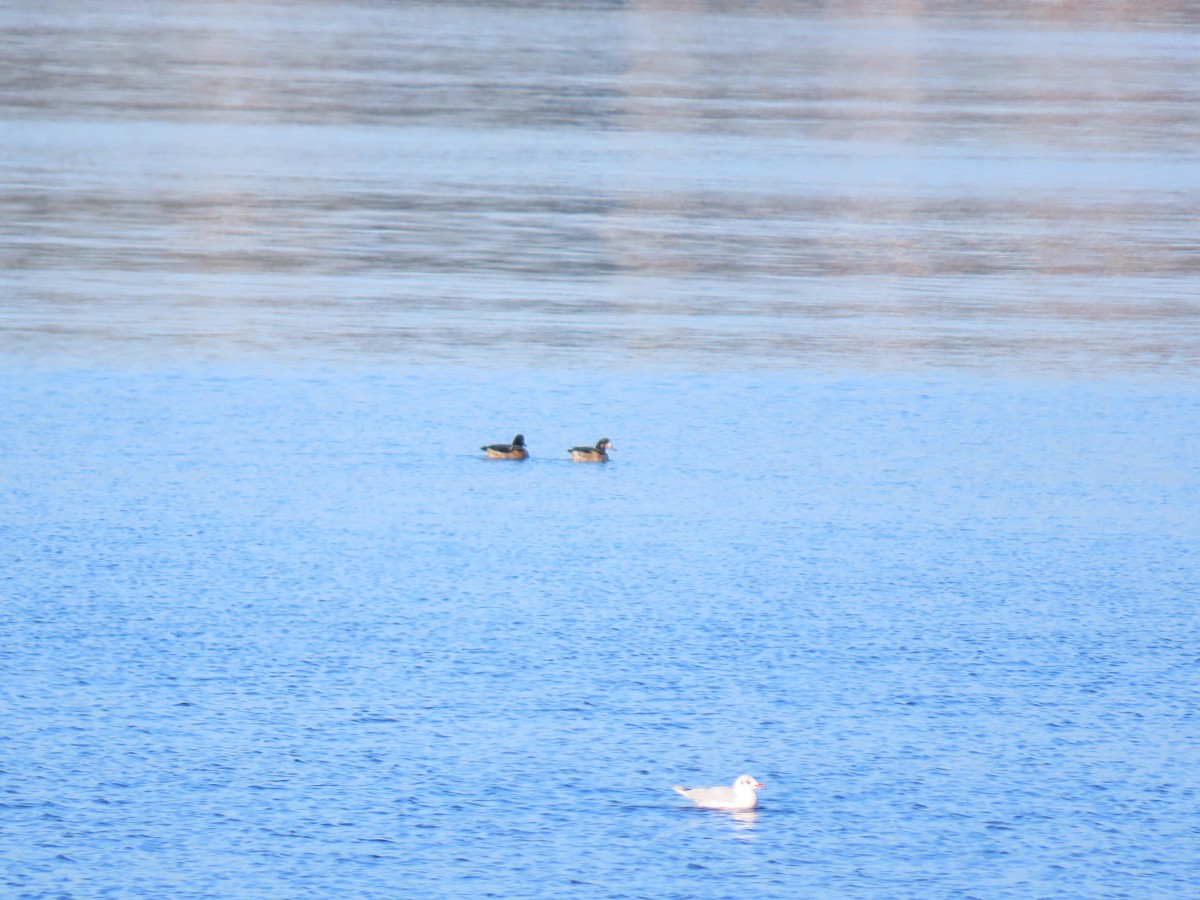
741 796
515 450
599 453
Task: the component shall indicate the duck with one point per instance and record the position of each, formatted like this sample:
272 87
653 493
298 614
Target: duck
599 453
515 450
741 796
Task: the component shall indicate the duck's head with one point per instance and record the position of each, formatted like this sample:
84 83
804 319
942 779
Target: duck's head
519 440
604 444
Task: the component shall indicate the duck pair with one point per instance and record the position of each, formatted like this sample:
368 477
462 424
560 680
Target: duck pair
517 450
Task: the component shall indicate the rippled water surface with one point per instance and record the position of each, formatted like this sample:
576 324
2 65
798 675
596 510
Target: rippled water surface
294 636
892 319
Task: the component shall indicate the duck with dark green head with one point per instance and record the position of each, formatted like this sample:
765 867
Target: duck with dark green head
515 450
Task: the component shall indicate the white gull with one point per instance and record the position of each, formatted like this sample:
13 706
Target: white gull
741 796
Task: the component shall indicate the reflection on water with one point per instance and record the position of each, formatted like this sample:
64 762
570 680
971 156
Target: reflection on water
743 821
647 181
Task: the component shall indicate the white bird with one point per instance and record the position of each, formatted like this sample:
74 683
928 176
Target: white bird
741 796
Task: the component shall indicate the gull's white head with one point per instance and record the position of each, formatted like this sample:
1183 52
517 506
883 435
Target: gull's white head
748 783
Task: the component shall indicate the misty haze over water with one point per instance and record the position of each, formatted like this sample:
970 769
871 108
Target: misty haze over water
841 185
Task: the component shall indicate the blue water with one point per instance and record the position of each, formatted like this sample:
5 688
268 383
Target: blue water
284 632
891 314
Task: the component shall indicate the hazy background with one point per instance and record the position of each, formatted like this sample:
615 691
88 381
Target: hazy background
831 185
